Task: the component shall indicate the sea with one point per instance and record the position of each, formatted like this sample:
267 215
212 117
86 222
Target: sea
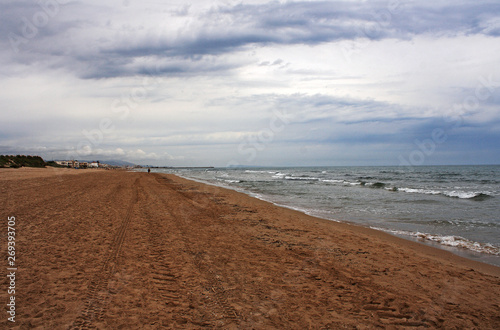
456 208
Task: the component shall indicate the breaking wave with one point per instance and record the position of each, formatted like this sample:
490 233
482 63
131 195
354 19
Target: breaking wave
474 195
304 178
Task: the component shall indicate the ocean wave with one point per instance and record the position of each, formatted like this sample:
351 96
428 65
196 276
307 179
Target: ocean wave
457 223
305 178
419 191
449 240
473 195
467 195
229 180
392 172
489 182
373 184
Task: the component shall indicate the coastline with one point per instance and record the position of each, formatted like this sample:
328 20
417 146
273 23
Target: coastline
111 248
431 249
468 252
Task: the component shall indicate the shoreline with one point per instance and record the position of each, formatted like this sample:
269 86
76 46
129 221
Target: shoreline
116 248
434 250
472 255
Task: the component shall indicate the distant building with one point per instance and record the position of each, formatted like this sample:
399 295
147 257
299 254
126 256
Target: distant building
77 164
72 163
62 163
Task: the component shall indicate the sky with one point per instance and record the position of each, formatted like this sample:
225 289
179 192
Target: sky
270 83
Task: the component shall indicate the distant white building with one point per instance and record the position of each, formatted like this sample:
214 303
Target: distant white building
72 163
93 164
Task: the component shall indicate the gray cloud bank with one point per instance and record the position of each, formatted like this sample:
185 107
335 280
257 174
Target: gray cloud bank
99 47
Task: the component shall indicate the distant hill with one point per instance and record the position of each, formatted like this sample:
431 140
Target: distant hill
21 161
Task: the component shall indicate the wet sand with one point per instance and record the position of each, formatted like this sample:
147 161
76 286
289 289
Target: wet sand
116 249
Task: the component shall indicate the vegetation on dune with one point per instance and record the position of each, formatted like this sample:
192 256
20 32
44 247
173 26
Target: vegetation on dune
22 161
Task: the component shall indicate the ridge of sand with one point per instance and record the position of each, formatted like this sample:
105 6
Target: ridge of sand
117 249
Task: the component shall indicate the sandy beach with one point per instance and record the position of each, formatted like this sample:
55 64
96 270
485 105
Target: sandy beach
117 250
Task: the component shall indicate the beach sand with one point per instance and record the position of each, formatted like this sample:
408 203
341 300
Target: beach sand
117 249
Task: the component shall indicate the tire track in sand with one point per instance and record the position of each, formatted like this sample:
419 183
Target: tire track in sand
98 294
195 205
170 272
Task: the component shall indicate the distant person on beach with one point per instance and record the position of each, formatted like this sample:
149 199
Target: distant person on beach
149 170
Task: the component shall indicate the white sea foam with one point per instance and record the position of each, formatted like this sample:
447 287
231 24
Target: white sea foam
465 194
332 181
223 179
305 178
420 191
448 240
452 193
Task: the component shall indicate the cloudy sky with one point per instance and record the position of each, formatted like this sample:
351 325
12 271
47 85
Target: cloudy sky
194 83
